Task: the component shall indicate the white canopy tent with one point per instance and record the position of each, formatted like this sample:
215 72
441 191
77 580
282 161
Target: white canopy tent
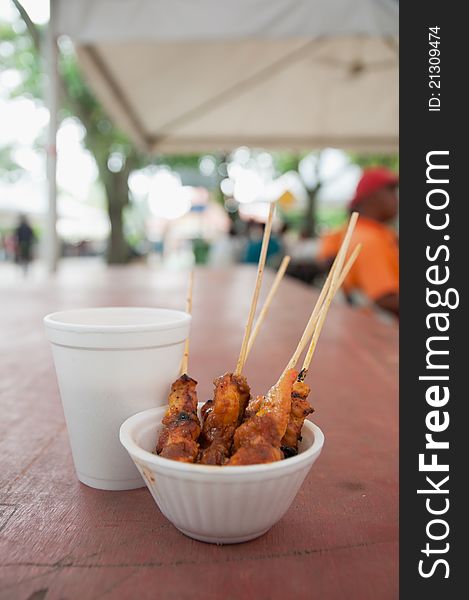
195 75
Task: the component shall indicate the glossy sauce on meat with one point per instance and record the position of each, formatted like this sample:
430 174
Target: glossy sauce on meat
222 415
300 409
258 439
181 426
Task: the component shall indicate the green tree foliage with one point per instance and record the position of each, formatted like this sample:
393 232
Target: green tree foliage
116 157
286 161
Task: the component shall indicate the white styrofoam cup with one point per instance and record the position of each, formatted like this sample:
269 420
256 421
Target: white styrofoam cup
112 363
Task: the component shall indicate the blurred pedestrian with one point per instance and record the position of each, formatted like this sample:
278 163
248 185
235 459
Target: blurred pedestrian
24 237
376 271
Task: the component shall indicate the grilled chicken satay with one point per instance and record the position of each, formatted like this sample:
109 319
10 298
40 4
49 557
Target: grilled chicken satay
181 426
258 439
300 409
226 412
221 417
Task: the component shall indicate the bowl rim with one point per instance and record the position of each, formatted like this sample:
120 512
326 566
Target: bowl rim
176 319
137 452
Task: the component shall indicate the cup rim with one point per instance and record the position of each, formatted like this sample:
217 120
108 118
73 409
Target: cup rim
136 421
176 320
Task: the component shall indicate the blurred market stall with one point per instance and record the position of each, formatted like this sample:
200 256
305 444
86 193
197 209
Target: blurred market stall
179 76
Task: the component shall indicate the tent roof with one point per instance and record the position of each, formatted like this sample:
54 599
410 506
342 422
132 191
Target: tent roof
181 76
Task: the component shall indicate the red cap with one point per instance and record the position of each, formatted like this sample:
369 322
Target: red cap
372 180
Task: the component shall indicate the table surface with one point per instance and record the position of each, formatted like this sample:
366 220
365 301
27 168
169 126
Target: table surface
60 539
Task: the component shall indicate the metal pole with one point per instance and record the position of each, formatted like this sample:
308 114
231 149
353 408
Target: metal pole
51 95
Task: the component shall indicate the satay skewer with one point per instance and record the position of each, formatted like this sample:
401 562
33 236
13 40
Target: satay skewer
267 303
260 438
222 415
254 404
262 315
329 284
181 425
231 396
273 425
257 288
300 406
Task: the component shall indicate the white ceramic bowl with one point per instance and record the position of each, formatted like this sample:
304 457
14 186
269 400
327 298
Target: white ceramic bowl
110 364
221 505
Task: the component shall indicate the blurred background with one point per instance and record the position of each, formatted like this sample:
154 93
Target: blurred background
161 140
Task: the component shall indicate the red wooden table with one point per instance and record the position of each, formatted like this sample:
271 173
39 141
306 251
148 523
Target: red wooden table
60 539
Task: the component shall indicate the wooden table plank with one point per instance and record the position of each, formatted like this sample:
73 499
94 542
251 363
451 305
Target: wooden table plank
339 539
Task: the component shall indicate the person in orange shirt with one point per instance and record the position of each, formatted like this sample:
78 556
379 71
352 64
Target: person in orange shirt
376 270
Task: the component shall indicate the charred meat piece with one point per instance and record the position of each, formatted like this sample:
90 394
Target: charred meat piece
181 426
222 415
300 409
255 455
258 439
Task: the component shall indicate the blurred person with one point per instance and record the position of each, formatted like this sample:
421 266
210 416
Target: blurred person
375 273
253 247
227 249
24 240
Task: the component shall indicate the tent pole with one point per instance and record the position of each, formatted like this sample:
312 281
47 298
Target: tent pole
51 95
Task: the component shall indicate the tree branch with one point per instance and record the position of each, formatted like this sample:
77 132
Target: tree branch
33 30
36 38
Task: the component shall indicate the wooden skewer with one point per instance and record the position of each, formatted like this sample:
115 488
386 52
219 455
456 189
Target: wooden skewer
340 261
185 358
335 279
308 332
255 297
268 301
325 292
325 308
348 266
